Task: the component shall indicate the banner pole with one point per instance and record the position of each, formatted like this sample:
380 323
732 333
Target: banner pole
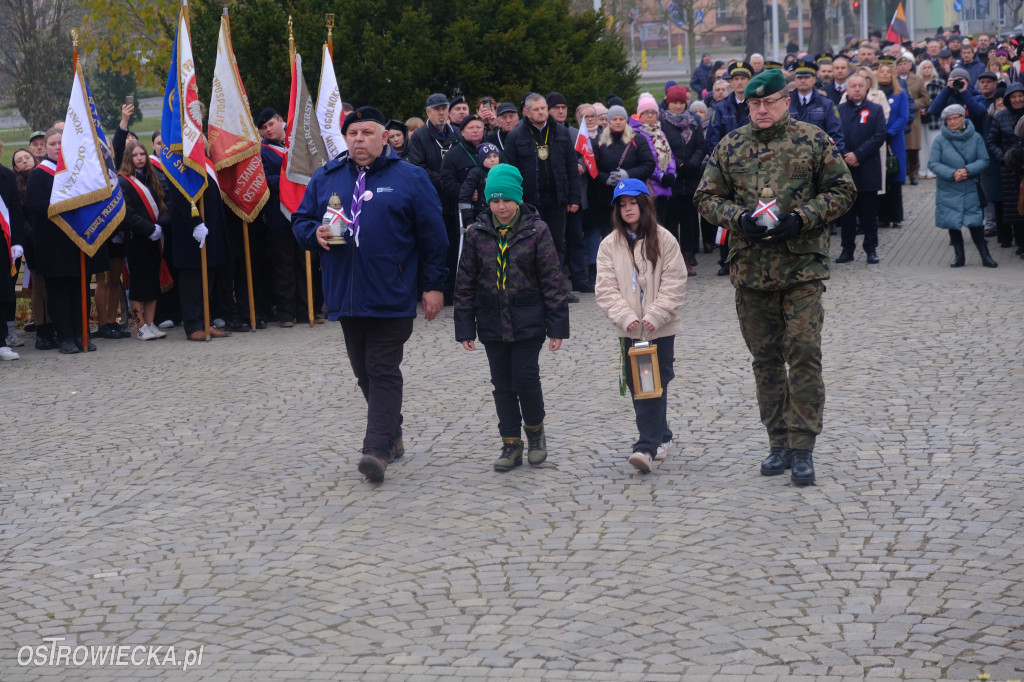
81 254
248 277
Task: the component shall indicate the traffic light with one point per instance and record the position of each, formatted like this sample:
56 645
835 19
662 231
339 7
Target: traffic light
630 17
856 6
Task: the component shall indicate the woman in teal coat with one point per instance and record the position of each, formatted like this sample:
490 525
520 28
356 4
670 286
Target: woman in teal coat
958 158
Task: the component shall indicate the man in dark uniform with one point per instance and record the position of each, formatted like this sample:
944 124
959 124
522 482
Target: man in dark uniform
810 106
779 270
864 132
395 218
726 116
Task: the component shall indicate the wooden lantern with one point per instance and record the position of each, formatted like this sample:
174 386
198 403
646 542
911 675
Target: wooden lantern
643 360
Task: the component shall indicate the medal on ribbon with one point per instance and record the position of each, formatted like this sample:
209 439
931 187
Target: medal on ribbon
542 152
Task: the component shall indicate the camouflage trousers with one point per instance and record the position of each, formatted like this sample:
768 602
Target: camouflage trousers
784 327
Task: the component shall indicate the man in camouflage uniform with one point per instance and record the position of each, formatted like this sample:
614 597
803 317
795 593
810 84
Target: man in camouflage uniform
778 273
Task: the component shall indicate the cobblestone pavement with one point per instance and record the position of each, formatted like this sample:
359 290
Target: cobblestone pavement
184 494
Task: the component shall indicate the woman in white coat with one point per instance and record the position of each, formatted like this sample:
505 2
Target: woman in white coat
641 279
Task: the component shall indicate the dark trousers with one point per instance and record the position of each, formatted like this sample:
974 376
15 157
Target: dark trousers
651 413
780 328
375 347
222 285
454 231
890 204
864 210
913 163
261 289
707 230
284 257
576 252
554 216
515 374
64 305
190 296
683 223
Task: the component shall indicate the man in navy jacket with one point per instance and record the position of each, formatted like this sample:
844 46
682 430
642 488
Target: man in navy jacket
864 133
396 247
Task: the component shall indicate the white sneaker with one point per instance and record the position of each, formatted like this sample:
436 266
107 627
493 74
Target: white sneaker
13 340
662 454
8 354
143 334
218 322
166 324
155 331
641 461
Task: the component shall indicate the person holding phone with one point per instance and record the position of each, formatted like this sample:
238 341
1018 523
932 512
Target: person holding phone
487 111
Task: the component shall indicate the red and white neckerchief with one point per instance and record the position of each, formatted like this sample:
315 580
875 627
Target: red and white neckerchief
147 197
768 208
155 160
48 166
276 148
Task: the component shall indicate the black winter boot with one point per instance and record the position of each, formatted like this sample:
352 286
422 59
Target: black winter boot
803 467
978 236
778 460
846 256
958 256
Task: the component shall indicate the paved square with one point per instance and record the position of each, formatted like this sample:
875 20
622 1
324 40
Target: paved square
182 494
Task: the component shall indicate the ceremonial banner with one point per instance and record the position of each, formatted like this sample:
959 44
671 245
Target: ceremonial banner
584 147
183 155
328 108
86 201
306 150
234 139
898 31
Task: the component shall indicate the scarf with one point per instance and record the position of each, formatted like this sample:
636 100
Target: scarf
684 122
886 88
661 145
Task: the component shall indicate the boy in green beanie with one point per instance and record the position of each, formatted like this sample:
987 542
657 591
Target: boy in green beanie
509 293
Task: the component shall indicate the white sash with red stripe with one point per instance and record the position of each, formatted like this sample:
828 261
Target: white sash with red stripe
48 166
277 149
147 197
155 160
5 223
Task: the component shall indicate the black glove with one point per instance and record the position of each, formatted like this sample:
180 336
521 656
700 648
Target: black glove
788 227
751 230
668 179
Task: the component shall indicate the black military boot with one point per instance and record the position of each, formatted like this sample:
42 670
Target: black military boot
846 256
958 256
778 460
978 236
872 256
803 467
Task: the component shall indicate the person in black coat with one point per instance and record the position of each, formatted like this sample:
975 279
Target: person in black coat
541 149
864 133
57 257
685 134
471 196
618 155
1000 140
145 214
12 249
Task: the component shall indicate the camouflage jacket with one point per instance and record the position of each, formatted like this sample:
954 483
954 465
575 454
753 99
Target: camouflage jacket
531 304
809 177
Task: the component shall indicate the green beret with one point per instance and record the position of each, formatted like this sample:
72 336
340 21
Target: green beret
768 82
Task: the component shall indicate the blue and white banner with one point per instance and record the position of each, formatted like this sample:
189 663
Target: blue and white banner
86 201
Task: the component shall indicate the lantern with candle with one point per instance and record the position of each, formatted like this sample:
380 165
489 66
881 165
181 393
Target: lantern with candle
643 360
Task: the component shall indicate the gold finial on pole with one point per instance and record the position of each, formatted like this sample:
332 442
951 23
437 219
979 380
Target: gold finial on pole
290 37
329 22
74 37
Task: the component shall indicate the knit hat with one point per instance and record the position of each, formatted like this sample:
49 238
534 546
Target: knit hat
612 100
646 103
504 182
953 110
486 149
555 98
600 109
960 73
698 105
617 110
668 84
765 83
677 93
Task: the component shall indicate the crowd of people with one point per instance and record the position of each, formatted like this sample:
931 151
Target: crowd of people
949 108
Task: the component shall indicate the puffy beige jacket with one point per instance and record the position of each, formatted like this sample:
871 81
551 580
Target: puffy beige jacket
663 286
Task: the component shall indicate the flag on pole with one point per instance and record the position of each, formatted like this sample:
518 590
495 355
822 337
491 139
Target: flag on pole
328 108
584 147
234 140
86 200
306 150
183 155
898 31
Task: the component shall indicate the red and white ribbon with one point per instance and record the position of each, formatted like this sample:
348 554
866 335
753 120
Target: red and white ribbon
338 215
766 208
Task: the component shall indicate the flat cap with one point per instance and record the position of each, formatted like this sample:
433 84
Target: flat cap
437 100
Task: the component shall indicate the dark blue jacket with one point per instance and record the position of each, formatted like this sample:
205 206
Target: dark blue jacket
975 69
821 112
977 109
864 134
726 116
402 240
699 82
899 113
271 213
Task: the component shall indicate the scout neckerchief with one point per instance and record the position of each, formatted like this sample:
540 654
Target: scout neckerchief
504 232
358 194
5 224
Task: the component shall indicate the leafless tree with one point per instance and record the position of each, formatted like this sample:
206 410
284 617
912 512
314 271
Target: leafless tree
755 26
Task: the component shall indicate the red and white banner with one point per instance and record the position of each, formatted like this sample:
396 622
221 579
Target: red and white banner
234 139
328 108
306 150
584 147
722 236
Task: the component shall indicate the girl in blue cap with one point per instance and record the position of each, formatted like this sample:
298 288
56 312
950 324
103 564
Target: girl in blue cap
641 279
